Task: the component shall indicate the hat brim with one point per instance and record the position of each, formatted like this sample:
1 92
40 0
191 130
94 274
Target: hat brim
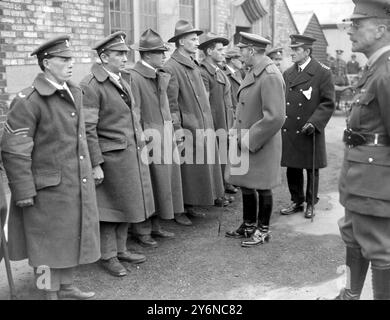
242 45
357 16
136 47
205 44
63 54
177 37
301 44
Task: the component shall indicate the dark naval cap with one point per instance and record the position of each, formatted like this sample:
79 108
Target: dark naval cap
252 40
150 41
55 47
114 42
370 9
298 40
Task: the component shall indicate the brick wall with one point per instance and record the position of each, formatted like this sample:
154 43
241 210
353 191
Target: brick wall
25 24
284 27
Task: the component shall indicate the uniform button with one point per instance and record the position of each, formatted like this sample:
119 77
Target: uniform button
286 117
290 89
73 114
288 104
81 136
371 160
85 181
300 104
81 157
299 118
284 130
298 132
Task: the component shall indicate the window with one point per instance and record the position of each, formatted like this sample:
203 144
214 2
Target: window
119 16
205 15
187 11
148 15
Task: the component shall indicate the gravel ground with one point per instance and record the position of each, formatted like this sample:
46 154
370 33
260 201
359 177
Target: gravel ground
202 264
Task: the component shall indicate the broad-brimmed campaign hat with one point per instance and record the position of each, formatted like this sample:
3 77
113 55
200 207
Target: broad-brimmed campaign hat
213 38
55 47
370 9
150 41
114 42
183 28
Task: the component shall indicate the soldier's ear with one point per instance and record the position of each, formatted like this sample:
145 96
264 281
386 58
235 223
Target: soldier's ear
382 29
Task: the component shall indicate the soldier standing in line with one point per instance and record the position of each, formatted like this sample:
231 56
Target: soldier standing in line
364 182
218 87
54 220
123 185
260 116
232 68
190 109
149 86
276 55
310 105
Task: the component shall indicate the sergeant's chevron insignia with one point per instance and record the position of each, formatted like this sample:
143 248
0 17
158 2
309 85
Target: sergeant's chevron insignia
324 66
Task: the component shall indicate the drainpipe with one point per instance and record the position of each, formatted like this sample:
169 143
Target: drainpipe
273 13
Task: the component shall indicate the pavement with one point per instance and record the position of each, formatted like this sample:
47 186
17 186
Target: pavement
305 262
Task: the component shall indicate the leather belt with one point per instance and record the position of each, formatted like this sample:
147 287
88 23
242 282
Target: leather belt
353 139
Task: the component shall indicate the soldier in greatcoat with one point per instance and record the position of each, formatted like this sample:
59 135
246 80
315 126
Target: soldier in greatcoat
276 55
190 109
149 86
232 68
260 116
218 88
365 175
54 219
310 104
114 135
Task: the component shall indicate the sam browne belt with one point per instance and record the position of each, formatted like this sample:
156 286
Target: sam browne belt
353 139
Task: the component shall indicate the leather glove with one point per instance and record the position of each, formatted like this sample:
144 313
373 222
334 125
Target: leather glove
308 129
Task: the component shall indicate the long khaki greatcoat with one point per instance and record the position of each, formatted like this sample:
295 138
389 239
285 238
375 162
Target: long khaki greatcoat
219 89
151 100
46 157
190 109
114 136
261 111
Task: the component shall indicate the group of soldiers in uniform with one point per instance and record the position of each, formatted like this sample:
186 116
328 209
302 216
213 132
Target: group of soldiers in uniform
73 154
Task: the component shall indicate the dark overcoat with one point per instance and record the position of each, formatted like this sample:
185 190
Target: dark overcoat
219 89
150 95
46 157
235 81
190 109
261 112
310 97
114 135
365 175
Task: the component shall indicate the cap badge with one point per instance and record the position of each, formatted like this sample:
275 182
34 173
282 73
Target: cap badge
122 39
67 43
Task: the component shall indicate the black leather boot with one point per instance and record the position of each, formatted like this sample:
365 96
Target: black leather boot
358 267
381 284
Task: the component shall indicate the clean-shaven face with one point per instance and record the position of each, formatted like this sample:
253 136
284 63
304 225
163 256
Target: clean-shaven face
299 55
190 43
60 68
115 61
218 53
363 34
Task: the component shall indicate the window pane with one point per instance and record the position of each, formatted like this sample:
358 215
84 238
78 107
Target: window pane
148 14
187 10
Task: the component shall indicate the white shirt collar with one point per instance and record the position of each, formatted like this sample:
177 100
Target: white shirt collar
303 66
374 58
115 76
61 87
148 65
231 69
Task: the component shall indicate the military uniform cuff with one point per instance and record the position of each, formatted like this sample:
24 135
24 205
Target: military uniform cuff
22 190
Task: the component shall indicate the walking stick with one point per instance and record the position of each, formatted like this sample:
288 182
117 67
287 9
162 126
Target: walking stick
314 176
4 248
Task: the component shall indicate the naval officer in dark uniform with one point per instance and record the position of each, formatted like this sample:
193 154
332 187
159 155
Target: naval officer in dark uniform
309 106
